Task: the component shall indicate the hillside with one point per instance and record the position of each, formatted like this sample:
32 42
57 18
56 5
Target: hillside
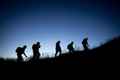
106 53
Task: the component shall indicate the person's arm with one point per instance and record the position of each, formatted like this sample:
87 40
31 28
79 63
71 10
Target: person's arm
25 55
39 46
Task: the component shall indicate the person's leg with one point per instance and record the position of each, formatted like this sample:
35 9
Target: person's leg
37 56
20 59
56 53
84 47
70 51
34 55
60 52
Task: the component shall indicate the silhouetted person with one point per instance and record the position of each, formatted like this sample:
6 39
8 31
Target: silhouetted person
70 47
85 44
36 53
20 51
58 48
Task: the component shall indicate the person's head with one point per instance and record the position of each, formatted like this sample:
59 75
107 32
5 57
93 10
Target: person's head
72 42
58 41
86 38
38 43
24 46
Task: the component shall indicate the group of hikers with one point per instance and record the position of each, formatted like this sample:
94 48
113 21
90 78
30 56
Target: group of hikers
21 50
36 54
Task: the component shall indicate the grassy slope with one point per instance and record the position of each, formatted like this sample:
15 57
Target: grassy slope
106 53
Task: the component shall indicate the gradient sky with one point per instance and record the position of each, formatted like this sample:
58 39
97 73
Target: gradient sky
24 22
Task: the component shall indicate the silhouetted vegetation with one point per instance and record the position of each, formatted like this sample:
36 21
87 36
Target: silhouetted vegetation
106 53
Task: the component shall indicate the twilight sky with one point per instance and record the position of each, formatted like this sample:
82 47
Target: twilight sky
24 22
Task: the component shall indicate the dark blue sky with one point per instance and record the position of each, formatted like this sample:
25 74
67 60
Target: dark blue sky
28 21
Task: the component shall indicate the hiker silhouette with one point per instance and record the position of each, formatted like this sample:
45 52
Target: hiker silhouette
85 44
58 48
20 51
36 53
70 47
